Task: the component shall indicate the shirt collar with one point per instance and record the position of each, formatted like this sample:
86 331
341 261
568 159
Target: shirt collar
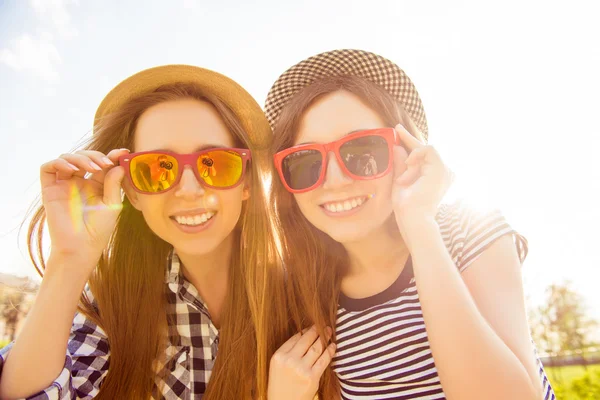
173 277
179 285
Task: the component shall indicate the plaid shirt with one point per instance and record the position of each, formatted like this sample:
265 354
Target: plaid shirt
193 352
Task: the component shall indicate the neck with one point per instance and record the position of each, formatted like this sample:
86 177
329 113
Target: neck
380 250
209 273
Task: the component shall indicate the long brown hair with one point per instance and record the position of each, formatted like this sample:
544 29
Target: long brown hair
129 282
314 262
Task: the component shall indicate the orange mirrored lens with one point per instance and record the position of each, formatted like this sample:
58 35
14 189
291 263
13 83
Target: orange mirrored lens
153 173
220 168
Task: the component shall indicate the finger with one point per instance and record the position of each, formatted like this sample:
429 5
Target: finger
313 353
323 361
97 157
400 156
302 346
114 155
406 138
316 349
112 187
84 163
290 343
418 156
49 171
410 176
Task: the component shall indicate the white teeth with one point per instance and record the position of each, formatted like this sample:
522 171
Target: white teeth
194 220
346 205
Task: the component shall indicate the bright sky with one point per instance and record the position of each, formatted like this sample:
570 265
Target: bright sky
510 89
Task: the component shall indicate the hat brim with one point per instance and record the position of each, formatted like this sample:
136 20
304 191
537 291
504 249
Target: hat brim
370 66
241 103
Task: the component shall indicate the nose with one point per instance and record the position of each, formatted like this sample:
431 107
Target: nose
188 186
335 178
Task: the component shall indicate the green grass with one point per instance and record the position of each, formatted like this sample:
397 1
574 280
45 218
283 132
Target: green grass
575 382
566 375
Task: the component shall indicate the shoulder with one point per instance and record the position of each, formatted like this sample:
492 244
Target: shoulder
468 230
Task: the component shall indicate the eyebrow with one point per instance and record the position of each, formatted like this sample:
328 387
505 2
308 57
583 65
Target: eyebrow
354 131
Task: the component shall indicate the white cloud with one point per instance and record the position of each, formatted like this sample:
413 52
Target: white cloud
21 124
36 55
192 5
56 13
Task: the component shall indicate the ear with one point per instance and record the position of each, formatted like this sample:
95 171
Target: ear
131 194
246 193
247 183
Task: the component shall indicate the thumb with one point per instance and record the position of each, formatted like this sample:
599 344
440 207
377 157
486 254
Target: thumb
112 187
400 156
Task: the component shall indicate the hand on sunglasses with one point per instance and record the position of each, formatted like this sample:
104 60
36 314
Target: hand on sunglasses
81 194
421 179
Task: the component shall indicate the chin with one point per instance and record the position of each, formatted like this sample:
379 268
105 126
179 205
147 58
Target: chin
346 234
356 229
197 247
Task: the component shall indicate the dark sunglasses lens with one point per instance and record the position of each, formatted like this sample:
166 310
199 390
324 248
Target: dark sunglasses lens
302 168
366 156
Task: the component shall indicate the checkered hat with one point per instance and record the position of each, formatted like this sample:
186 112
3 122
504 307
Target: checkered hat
376 69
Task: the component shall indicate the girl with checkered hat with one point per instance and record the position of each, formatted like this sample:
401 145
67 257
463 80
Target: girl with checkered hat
421 300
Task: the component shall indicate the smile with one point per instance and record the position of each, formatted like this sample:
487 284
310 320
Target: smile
345 205
194 220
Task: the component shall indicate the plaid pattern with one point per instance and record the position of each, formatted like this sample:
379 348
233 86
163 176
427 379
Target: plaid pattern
191 350
360 63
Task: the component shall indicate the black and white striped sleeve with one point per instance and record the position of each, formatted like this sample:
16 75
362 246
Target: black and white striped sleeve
468 232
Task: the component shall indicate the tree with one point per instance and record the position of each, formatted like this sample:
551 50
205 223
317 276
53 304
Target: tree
562 324
11 312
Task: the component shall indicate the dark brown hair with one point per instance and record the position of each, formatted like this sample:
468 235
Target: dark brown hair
314 262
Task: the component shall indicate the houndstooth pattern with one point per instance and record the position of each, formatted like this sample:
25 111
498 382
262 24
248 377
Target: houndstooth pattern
190 353
361 63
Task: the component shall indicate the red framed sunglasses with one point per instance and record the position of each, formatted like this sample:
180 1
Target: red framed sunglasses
153 172
361 155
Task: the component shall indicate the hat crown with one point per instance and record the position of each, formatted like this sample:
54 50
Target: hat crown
370 66
243 105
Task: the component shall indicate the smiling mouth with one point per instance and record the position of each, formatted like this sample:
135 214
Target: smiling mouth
193 220
345 205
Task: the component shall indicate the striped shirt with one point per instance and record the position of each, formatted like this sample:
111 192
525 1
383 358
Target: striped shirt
382 346
191 349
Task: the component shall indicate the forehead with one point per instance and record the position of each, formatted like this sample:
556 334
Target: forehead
335 115
182 126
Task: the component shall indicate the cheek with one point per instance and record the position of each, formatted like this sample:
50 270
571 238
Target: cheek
152 208
382 187
304 202
151 205
229 202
